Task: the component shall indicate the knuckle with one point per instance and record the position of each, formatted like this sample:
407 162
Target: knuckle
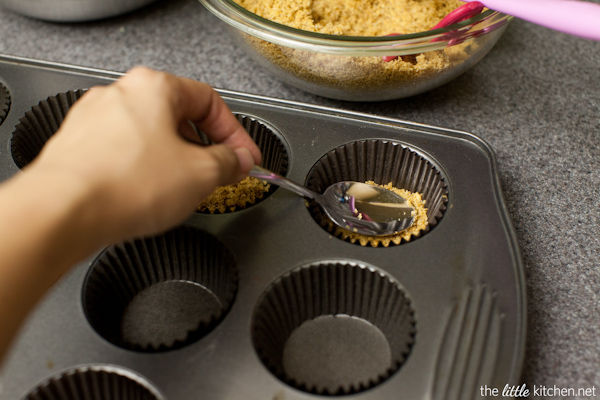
222 164
95 91
139 70
148 78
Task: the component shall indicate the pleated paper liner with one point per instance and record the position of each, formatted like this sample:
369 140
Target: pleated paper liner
94 383
5 102
160 293
334 328
383 162
39 124
274 157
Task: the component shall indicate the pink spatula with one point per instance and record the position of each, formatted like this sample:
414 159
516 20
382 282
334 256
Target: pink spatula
578 18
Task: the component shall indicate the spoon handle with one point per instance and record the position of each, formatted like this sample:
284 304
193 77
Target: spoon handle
272 177
579 18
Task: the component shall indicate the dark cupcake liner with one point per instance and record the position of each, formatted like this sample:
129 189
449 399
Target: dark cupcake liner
39 124
381 161
5 102
94 383
274 153
333 328
272 147
160 293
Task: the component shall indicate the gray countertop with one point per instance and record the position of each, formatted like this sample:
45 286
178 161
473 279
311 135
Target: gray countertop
535 98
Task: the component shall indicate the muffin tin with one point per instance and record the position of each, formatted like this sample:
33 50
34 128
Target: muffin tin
265 302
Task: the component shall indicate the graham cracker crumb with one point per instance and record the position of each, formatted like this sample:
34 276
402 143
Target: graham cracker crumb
358 18
354 17
235 197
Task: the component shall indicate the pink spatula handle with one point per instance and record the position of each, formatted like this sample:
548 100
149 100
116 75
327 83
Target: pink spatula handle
577 18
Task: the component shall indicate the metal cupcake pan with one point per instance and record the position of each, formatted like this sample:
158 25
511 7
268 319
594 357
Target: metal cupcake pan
266 303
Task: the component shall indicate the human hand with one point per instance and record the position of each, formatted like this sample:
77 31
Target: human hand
124 145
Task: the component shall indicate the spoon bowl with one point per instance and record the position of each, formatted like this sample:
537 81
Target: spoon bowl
358 207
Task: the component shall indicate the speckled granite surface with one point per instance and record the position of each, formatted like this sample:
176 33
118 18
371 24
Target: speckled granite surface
535 98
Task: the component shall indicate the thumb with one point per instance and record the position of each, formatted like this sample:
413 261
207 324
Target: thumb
246 160
226 165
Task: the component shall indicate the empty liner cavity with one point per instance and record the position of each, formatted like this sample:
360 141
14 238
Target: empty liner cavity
39 124
94 383
5 102
160 293
381 161
274 158
333 328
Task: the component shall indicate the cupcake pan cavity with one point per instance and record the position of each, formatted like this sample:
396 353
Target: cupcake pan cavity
39 124
94 383
4 102
383 162
333 328
162 292
264 303
272 147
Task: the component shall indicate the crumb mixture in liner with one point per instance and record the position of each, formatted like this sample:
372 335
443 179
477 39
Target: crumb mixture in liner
236 196
250 190
382 161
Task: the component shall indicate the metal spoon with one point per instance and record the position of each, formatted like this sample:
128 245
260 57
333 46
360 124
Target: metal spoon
355 206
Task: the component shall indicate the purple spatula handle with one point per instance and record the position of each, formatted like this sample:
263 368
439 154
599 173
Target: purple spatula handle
579 18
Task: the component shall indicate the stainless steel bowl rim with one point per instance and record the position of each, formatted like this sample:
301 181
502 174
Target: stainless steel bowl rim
73 10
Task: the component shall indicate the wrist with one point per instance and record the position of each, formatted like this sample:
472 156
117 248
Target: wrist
46 229
56 214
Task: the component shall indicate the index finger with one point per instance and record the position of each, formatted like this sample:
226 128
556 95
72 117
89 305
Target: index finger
201 104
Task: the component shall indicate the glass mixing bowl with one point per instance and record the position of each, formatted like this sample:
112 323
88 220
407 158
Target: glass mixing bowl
353 67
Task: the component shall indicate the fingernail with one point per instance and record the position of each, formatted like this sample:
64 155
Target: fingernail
245 158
